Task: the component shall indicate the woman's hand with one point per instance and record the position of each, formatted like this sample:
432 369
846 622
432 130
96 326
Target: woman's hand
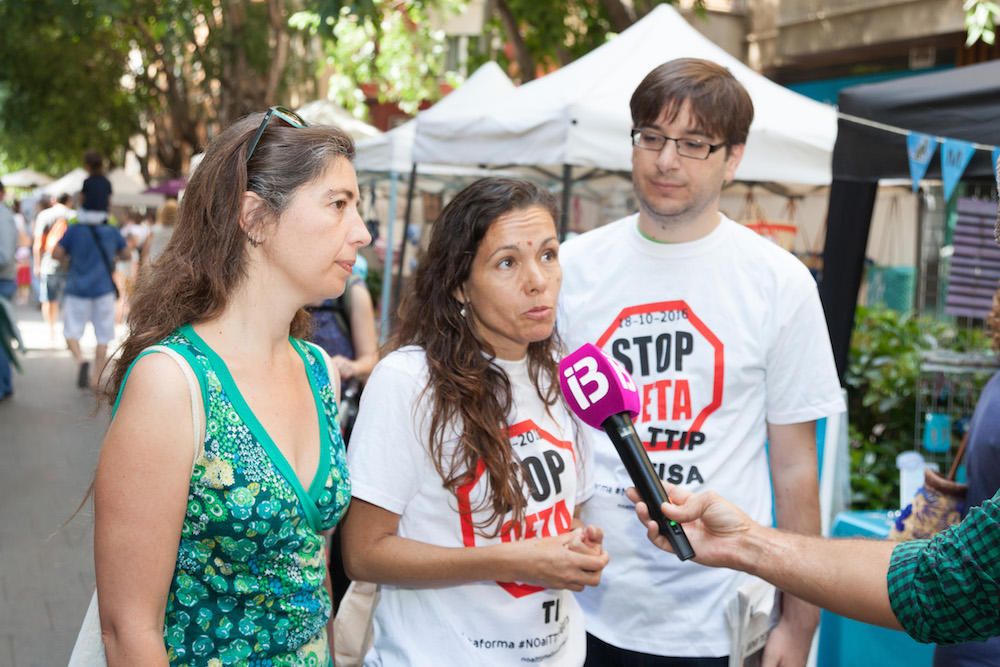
570 561
345 367
589 540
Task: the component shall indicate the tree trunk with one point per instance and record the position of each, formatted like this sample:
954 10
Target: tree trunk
620 15
525 62
279 30
243 89
643 7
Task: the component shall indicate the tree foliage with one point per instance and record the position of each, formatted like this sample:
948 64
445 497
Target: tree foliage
61 66
546 35
882 380
95 73
981 18
98 73
392 47
398 50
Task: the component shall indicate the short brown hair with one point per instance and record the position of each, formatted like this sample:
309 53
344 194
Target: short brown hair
718 102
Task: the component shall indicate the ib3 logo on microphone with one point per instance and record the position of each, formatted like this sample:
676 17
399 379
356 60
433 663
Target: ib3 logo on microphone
585 373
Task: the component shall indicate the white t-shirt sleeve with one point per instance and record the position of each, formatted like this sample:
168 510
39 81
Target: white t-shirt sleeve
384 456
801 377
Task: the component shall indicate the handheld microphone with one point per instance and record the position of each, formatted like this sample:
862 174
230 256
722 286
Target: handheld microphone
603 395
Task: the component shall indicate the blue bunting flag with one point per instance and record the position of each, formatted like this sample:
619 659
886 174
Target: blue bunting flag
920 149
955 156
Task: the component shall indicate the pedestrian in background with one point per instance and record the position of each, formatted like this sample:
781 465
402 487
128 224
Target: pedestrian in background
95 195
227 533
982 463
160 233
8 284
91 293
50 225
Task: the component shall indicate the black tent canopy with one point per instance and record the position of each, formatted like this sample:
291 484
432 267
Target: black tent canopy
962 103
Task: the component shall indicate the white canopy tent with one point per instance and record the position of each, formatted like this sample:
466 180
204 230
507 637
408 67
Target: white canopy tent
579 114
325 112
126 189
68 183
25 178
391 153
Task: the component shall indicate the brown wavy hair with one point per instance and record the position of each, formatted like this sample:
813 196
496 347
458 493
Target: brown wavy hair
206 259
464 386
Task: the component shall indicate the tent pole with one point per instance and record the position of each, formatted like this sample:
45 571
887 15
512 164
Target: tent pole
406 228
567 190
918 271
387 268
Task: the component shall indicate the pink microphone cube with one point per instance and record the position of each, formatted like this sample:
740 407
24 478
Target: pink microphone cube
596 387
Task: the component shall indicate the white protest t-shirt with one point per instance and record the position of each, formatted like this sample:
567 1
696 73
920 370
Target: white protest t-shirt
487 622
722 335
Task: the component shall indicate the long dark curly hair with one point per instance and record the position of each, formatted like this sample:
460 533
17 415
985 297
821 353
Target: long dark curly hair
206 258
465 386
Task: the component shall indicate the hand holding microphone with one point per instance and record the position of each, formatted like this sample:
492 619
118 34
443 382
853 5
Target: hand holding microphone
603 395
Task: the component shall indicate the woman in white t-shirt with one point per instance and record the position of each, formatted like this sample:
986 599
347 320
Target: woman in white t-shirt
465 465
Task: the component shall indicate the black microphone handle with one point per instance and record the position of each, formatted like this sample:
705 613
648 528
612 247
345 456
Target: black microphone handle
621 430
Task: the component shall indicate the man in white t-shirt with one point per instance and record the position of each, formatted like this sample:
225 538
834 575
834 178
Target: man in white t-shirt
726 337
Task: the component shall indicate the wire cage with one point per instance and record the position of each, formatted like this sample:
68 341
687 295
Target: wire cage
948 387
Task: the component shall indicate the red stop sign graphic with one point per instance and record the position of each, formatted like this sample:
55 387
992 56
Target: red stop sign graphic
660 316
554 518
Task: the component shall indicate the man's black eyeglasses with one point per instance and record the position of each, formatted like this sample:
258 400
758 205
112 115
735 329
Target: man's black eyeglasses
284 114
652 140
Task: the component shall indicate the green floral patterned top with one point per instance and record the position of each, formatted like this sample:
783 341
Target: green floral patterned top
248 584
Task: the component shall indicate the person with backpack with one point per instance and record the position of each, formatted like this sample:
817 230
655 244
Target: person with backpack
90 290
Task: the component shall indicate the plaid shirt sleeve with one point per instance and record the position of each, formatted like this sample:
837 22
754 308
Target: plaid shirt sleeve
947 589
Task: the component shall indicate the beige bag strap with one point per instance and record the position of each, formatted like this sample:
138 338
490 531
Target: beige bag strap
353 633
195 392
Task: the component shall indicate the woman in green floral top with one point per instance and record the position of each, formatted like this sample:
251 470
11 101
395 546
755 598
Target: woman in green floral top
209 544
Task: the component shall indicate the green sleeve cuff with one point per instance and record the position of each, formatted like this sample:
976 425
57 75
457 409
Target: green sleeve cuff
903 593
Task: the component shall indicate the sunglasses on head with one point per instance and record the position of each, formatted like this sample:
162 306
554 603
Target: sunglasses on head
284 114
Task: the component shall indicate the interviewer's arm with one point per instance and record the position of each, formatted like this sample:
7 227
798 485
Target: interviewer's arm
845 576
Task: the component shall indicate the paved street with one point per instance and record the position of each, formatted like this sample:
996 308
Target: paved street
49 439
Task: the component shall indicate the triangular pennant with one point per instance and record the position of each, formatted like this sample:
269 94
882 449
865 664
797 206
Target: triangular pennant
920 149
955 156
